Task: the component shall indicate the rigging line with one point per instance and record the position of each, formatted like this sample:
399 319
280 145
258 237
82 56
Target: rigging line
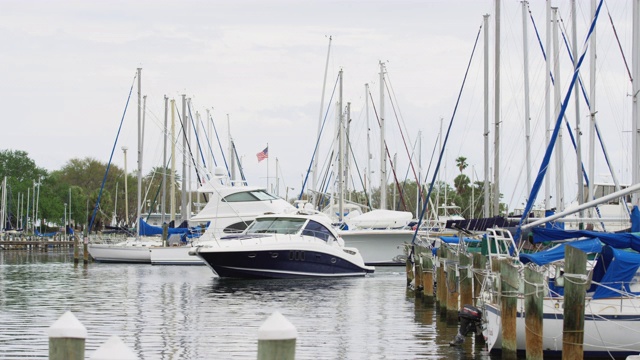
415 176
615 32
235 152
604 150
304 183
544 165
386 148
193 161
195 131
435 173
586 98
220 145
355 162
208 142
406 174
104 179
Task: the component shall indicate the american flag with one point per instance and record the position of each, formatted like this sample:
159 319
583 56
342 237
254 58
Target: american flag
263 154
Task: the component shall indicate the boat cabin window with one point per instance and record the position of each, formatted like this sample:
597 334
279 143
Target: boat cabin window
276 226
255 195
318 230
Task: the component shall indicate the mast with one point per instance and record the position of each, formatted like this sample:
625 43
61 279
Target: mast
592 109
183 195
340 152
188 132
163 220
126 191
138 215
486 212
527 113
368 172
347 165
636 104
558 105
576 95
232 159
314 178
547 103
172 185
383 155
496 149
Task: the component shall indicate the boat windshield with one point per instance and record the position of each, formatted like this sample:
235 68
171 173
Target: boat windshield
318 230
256 195
276 226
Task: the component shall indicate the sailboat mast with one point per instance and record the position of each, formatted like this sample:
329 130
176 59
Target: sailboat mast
635 112
496 149
232 159
547 103
314 178
487 177
383 154
340 152
368 172
592 108
183 195
527 112
576 95
558 105
139 152
163 220
172 185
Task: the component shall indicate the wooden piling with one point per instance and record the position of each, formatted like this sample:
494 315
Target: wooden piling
409 267
76 250
427 279
277 339
113 349
452 288
418 274
510 283
85 247
574 294
466 279
479 268
66 338
165 233
534 296
441 290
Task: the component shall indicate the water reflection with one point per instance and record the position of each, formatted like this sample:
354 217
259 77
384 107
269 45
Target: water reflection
174 312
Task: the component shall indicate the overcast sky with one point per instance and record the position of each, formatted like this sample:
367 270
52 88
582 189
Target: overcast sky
67 67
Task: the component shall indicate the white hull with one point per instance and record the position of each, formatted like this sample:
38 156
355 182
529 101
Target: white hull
379 247
120 253
611 326
174 255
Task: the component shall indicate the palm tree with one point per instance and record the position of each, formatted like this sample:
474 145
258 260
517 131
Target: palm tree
461 163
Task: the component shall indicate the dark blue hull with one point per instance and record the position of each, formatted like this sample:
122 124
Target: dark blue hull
280 264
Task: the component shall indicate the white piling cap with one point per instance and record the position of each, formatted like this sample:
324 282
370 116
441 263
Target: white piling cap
277 327
67 326
114 349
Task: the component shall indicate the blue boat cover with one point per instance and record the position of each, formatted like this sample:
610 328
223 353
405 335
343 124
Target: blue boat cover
454 239
635 219
614 270
557 252
617 240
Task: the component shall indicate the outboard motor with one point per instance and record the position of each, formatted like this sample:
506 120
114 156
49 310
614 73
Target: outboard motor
470 320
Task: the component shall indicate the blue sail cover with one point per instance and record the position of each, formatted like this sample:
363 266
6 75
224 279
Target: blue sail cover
635 219
614 269
455 240
617 240
557 252
150 230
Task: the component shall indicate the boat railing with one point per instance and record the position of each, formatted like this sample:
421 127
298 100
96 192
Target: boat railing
500 245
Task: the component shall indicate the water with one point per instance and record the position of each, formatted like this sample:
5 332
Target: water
176 312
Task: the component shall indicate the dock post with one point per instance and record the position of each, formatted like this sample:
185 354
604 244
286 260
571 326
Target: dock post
441 289
427 279
165 233
574 293
466 279
277 339
510 283
76 250
66 338
418 273
85 247
409 267
114 349
452 288
534 295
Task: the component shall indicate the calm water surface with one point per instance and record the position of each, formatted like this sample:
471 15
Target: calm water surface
184 312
